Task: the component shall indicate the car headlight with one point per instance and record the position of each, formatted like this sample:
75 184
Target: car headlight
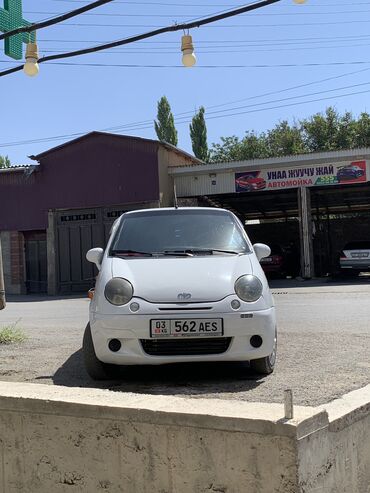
118 291
248 288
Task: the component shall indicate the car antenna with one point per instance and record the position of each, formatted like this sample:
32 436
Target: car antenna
175 196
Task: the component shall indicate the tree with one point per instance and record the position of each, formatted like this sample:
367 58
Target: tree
4 162
328 131
285 140
198 135
165 124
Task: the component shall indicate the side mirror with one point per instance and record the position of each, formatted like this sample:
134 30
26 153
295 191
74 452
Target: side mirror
95 256
261 250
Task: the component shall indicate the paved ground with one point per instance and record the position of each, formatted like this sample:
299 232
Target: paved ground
324 347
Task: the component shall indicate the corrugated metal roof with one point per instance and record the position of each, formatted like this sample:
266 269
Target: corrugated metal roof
299 160
19 167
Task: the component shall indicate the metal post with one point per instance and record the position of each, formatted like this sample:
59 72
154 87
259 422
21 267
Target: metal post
2 285
288 404
305 232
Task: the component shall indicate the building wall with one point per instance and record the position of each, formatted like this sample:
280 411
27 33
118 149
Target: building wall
100 170
167 159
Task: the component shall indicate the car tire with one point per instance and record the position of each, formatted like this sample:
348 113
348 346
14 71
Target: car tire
96 369
265 366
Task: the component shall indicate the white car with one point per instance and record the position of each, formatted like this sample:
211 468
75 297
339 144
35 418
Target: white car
179 285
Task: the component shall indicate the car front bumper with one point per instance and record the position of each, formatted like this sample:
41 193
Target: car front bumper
130 330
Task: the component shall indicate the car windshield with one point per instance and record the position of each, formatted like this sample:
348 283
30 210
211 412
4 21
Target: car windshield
174 231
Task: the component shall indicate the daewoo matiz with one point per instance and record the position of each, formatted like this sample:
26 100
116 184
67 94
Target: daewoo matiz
179 285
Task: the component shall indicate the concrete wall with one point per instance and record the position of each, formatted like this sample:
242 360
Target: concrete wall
336 459
58 439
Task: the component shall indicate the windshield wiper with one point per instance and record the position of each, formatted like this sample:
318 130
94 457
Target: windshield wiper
177 253
210 251
130 253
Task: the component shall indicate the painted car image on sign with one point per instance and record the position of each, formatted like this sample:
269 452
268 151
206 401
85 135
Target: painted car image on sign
351 172
249 182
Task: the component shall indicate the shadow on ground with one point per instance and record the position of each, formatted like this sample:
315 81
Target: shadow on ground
184 378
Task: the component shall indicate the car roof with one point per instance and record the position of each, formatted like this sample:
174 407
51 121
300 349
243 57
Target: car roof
161 209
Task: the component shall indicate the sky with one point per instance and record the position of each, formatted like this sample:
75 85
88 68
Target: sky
282 62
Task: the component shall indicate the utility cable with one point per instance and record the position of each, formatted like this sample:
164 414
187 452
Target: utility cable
55 20
150 34
143 124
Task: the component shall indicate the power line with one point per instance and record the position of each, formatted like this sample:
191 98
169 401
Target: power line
172 16
230 49
208 5
173 28
55 20
227 26
138 125
274 42
208 118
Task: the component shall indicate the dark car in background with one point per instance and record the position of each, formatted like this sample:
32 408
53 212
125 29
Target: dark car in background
350 173
275 264
355 257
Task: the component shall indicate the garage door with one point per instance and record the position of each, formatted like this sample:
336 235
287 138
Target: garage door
77 232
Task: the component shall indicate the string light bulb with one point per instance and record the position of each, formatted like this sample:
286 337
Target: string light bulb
31 67
188 57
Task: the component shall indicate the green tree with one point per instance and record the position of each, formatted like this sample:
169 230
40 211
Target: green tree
4 162
363 130
329 131
165 123
198 135
252 146
285 140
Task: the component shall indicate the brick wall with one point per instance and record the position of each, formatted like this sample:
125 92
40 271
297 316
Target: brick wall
13 262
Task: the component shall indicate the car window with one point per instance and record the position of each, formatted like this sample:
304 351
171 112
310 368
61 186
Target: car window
157 231
358 245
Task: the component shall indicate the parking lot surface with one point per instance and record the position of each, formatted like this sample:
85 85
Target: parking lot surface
323 348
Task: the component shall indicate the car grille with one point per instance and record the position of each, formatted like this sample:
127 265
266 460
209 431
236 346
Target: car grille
186 346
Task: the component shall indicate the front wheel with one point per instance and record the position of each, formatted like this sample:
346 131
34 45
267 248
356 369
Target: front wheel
95 368
265 366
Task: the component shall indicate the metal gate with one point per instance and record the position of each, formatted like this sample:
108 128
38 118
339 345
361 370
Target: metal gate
36 261
77 231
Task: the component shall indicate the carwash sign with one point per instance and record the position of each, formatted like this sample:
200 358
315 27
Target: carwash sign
11 17
295 177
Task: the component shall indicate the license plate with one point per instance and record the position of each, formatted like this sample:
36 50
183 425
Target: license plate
198 327
266 260
360 255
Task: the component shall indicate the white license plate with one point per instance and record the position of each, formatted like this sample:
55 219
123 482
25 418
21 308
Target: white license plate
266 260
198 327
360 255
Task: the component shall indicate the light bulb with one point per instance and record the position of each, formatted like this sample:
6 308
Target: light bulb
187 48
299 1
188 58
31 67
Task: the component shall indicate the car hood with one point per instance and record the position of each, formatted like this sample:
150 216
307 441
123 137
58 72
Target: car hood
162 280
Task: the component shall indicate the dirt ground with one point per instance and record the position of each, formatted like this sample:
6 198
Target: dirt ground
324 347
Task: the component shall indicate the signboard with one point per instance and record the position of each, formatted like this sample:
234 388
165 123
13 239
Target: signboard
295 177
11 17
